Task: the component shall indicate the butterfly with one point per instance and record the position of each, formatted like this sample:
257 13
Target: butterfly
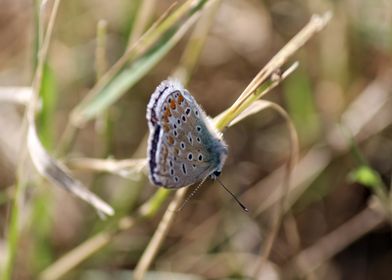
183 146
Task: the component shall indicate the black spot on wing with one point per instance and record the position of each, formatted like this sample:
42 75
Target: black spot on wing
184 169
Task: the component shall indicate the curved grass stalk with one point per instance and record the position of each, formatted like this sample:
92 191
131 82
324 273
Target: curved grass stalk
89 247
183 73
164 225
281 208
145 53
253 92
259 86
14 225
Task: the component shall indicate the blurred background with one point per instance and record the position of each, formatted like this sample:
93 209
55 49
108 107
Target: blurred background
339 99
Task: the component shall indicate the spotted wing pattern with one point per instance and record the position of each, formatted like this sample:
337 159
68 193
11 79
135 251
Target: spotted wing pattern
183 146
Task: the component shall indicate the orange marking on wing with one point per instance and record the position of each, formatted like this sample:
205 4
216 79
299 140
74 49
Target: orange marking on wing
170 140
177 151
180 99
166 127
173 104
167 113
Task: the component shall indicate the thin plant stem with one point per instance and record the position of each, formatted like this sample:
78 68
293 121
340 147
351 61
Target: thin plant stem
103 123
316 24
14 227
89 247
160 233
281 208
183 72
142 18
196 42
167 21
251 94
140 47
151 207
101 61
329 245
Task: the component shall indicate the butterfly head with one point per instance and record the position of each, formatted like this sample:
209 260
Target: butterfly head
221 151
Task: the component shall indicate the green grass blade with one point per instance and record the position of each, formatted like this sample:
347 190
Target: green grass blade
151 49
45 119
125 80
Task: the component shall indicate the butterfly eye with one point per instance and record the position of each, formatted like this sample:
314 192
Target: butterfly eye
217 173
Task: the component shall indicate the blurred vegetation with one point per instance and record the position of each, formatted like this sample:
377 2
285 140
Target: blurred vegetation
97 78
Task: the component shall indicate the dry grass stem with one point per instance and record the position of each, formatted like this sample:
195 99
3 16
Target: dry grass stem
281 208
83 251
92 245
45 164
18 95
144 43
28 123
318 158
191 54
143 17
332 243
101 61
315 25
125 168
58 175
160 233
224 120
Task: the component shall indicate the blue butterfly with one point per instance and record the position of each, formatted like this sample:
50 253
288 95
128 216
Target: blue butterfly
183 146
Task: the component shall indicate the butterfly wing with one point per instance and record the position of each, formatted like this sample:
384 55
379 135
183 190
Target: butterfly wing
183 147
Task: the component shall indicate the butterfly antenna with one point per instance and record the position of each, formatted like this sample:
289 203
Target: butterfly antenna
191 195
235 198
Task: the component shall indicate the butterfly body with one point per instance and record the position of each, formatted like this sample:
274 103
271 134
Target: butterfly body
183 146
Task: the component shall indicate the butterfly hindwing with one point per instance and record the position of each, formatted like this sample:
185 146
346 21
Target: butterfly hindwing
183 148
